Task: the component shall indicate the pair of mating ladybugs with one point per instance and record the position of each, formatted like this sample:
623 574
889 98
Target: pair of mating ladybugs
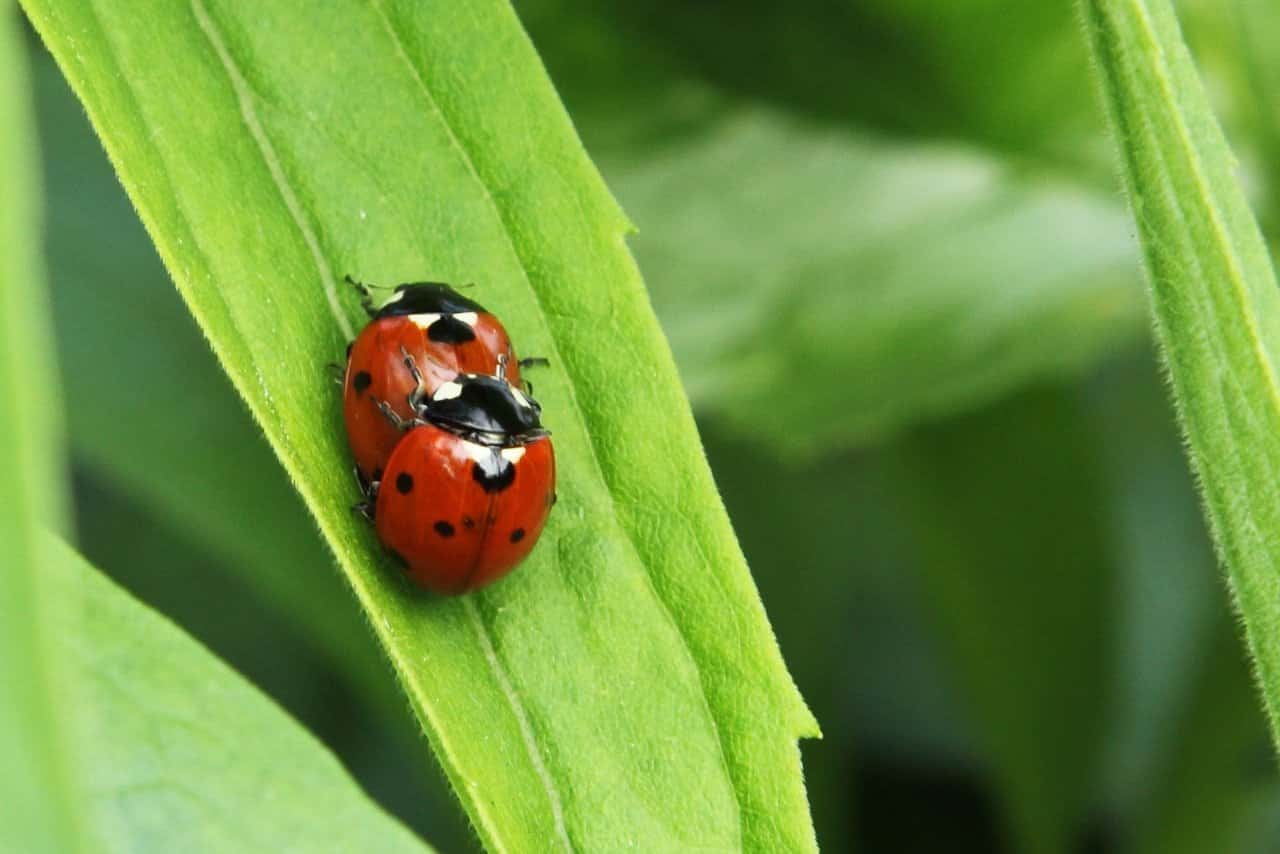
457 471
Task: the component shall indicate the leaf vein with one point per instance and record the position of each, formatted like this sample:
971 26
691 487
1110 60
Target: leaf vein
244 98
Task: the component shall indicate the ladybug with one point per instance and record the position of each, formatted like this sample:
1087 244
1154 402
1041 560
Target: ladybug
468 487
444 331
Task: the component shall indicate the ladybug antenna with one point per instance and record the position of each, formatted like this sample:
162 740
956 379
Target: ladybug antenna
366 298
365 287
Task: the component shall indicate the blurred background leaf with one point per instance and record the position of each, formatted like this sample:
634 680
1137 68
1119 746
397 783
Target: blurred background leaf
174 751
38 812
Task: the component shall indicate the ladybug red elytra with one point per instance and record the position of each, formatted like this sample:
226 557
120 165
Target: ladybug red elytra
446 333
468 487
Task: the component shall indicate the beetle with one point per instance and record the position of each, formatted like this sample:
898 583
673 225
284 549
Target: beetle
445 332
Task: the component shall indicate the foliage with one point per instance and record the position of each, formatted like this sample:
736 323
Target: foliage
896 216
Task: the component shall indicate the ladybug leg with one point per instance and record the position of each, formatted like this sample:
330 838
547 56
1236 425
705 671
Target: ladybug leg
419 390
502 366
393 416
336 371
534 361
369 489
366 298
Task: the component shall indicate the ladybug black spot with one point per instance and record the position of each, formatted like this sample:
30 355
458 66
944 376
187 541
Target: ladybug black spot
404 483
443 528
450 330
517 535
494 473
361 381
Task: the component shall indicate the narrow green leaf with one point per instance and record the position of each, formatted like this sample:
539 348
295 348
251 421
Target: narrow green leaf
176 752
37 811
1214 293
623 688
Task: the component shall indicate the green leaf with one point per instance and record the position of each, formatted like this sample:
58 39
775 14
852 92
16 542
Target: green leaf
910 276
176 752
107 279
623 688
1214 293
37 811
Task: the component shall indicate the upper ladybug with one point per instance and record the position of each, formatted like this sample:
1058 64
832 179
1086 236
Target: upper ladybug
446 333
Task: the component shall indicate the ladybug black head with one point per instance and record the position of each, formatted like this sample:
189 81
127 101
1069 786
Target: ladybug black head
488 409
427 298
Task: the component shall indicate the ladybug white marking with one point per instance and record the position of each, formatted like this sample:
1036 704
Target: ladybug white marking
468 317
424 321
447 391
512 455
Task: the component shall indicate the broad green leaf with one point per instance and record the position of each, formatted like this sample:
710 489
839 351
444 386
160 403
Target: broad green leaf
623 688
37 810
873 281
377 742
176 752
232 500
1014 562
1214 293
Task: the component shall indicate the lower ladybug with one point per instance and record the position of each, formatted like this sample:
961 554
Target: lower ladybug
446 333
468 488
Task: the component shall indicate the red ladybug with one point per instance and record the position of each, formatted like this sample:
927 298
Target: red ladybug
468 488
446 333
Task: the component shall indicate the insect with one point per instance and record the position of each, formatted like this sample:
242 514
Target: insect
466 491
444 331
